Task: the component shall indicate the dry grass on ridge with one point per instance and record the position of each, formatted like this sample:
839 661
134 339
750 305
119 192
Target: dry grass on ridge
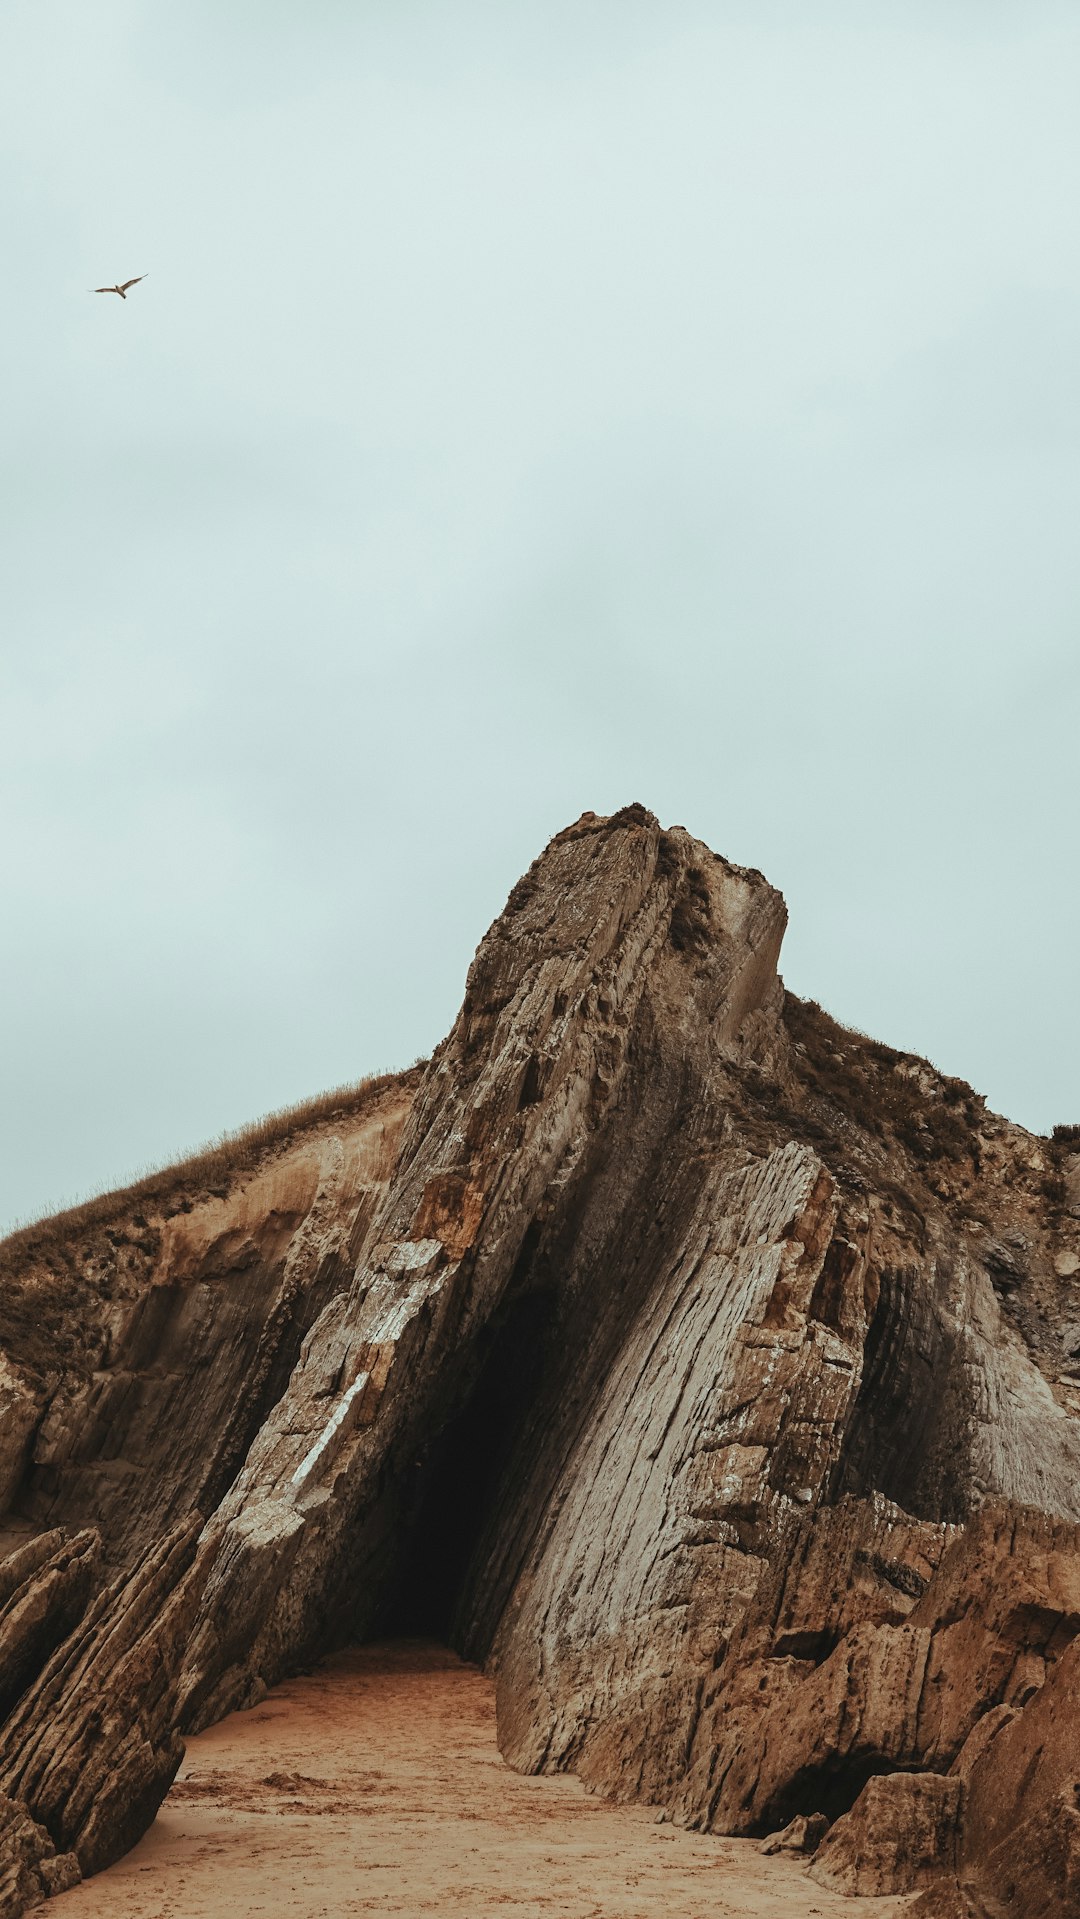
209 1166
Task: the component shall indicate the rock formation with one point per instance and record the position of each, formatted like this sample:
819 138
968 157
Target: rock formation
707 1367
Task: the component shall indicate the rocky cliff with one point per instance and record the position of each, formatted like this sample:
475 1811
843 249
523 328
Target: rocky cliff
708 1368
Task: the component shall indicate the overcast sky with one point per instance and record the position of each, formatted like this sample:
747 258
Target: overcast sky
531 406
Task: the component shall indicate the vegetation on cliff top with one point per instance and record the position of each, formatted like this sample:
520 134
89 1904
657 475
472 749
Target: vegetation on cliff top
45 1266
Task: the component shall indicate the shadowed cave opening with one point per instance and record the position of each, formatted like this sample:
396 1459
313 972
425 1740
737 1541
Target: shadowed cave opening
831 1789
906 1433
451 1489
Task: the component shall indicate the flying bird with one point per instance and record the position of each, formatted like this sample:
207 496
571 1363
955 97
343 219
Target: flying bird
122 289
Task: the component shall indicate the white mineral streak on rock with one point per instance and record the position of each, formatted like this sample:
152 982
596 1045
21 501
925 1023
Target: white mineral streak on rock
387 1310
408 1258
333 1425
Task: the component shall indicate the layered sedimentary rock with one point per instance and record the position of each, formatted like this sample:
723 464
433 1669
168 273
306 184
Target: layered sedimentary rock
708 1368
206 1282
45 1588
92 1748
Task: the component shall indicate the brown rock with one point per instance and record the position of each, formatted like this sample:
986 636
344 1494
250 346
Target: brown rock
91 1750
24 1851
44 1589
694 1359
901 1832
803 1835
907 1692
984 1731
948 1899
1022 1828
59 1874
1036 1874
20 1411
547 1066
1002 1607
214 1295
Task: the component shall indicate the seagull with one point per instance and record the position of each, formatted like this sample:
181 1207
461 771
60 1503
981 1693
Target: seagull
122 289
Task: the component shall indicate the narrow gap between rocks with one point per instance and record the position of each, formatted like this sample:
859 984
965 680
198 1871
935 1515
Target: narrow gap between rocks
452 1486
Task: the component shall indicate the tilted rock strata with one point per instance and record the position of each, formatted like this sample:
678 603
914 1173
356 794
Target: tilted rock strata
211 1290
92 1748
708 1367
539 1083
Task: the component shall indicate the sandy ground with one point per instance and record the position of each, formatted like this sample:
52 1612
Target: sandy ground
374 1785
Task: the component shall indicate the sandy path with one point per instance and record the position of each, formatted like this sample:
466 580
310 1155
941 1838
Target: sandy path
375 1785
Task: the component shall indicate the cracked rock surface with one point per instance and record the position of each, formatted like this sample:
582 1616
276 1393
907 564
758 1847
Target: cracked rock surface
707 1368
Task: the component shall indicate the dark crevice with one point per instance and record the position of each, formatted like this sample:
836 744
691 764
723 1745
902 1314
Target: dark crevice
451 1485
831 1788
906 1433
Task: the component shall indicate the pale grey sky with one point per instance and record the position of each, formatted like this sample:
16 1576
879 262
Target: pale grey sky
532 406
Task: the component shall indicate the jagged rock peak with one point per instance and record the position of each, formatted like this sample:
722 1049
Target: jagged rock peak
705 1366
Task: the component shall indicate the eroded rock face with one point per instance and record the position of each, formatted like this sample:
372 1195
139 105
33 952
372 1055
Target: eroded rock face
92 1748
180 1321
705 1366
25 1850
552 1105
1021 1830
789 1722
900 1834
44 1590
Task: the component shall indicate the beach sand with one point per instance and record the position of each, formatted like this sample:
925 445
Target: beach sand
375 1785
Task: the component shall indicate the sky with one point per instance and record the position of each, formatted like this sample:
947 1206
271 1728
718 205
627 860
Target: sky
531 407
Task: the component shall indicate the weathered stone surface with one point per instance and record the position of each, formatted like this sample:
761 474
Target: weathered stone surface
948 1899
1022 1824
24 1849
1003 1606
545 1113
902 1832
801 1835
60 1874
1037 1874
788 1720
44 1589
92 1749
703 1365
20 1411
184 1315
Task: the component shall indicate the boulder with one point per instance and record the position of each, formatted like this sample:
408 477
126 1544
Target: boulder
60 1873
801 1835
902 1832
24 1850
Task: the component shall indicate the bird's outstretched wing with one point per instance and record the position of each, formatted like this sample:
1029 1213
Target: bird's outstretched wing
125 284
102 289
